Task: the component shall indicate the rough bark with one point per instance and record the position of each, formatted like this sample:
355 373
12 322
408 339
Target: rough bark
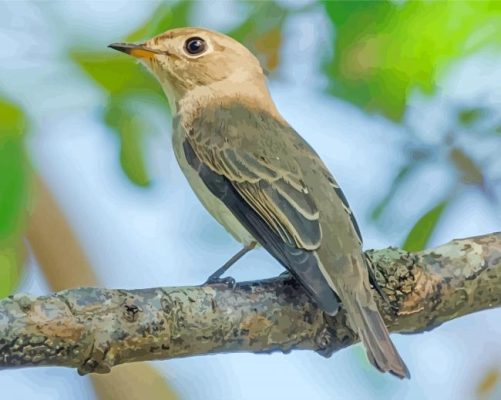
94 329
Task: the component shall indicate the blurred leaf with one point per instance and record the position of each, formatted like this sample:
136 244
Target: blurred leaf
386 49
166 16
471 115
10 265
131 128
420 234
469 170
127 82
402 175
12 184
13 168
12 121
116 74
261 32
14 191
131 153
124 81
488 382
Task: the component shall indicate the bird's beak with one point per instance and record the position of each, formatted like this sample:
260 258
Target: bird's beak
135 50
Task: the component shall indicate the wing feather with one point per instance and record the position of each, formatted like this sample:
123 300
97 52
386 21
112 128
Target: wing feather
274 188
286 207
248 206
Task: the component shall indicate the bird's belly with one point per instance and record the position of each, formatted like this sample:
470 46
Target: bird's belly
215 206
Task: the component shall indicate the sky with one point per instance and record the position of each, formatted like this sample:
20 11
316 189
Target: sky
163 236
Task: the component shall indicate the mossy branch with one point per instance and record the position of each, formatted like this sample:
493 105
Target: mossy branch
95 329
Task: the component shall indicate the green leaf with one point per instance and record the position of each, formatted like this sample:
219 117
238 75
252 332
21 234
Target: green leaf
384 50
420 234
116 73
13 169
10 267
14 190
470 116
12 121
127 83
402 175
13 177
131 128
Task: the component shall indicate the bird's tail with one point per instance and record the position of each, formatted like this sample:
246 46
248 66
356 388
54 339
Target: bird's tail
375 337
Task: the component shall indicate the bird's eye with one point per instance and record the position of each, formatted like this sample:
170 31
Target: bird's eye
195 45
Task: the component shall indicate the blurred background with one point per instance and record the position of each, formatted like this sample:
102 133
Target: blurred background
402 99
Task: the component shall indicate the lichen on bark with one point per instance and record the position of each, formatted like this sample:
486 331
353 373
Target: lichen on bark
94 329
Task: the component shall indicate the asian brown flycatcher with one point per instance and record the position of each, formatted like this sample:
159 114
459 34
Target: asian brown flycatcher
260 179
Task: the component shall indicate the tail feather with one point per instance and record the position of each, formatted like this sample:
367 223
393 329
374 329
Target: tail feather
376 339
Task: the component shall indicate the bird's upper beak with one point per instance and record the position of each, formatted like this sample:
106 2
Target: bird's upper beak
135 50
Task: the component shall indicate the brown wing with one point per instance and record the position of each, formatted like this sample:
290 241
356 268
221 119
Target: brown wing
263 191
272 186
303 264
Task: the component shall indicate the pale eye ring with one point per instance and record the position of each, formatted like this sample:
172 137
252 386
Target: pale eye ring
195 46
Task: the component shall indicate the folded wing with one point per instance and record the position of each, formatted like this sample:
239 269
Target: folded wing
268 196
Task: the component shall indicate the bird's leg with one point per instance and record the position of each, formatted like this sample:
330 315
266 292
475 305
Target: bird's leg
216 276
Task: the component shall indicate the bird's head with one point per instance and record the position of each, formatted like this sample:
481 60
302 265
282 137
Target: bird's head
188 59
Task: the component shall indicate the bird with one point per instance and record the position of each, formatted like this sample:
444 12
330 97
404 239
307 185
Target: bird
260 179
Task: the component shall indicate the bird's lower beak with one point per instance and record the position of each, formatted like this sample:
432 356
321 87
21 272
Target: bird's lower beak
135 50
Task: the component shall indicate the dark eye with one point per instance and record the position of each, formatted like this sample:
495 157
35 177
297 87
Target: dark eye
195 45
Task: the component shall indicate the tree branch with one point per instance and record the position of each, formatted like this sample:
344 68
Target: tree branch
94 329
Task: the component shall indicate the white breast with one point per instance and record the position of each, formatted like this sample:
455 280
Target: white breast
215 206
